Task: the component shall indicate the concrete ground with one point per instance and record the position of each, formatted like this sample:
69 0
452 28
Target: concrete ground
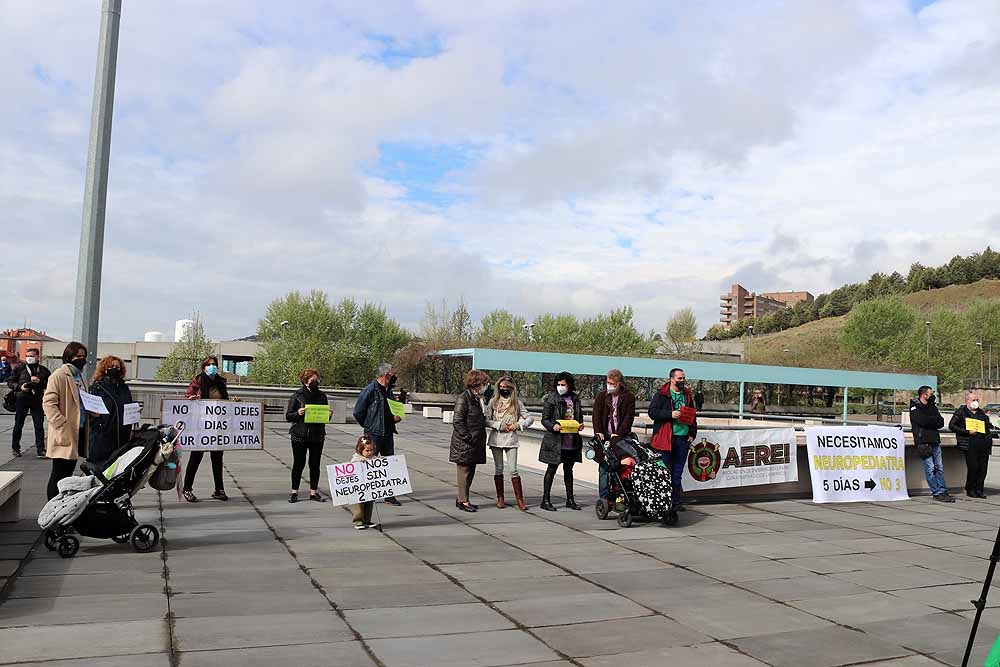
257 581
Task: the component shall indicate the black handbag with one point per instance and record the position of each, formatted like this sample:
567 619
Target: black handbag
924 450
10 401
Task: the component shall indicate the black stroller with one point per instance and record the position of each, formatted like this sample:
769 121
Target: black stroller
99 504
641 489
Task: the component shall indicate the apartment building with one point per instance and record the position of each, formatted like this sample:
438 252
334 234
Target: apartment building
739 303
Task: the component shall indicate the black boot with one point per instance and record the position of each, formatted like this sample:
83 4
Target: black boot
568 477
550 475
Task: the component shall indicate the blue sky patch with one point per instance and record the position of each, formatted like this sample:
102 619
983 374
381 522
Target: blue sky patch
427 171
917 5
394 54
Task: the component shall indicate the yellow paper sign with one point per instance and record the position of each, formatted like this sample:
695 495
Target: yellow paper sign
397 409
975 425
317 414
569 426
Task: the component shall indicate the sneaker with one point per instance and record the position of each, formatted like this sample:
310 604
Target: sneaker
40 455
944 498
220 495
293 497
392 501
361 526
317 497
17 453
372 525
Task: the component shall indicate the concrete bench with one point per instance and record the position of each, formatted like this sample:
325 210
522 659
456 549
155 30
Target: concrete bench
10 496
448 416
432 412
408 408
338 407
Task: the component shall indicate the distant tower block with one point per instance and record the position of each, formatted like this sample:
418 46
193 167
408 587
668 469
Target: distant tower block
154 337
183 328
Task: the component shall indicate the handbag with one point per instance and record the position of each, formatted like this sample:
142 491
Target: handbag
924 450
663 439
10 401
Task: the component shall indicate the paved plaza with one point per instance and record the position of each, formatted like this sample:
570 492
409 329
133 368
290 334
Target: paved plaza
258 581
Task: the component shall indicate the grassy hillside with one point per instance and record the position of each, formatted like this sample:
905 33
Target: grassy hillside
817 344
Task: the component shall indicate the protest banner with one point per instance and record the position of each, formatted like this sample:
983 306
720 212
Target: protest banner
372 479
723 459
216 425
849 464
317 414
397 409
131 413
93 403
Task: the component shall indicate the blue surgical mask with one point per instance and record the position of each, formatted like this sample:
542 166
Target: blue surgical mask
211 370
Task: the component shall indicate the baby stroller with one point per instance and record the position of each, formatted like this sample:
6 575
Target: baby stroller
639 485
99 504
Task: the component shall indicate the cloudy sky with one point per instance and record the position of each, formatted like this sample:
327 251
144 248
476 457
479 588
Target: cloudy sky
539 156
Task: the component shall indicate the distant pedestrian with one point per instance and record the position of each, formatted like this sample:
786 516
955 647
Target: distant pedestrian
68 421
306 438
107 432
699 398
926 420
977 443
468 437
557 447
208 385
371 412
5 369
363 451
614 414
29 381
666 412
506 416
758 405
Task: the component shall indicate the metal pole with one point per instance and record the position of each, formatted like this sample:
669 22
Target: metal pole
846 392
741 399
86 311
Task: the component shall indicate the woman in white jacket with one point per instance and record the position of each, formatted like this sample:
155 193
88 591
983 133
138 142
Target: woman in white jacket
506 416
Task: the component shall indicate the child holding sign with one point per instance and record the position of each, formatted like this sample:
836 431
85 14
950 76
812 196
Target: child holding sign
364 450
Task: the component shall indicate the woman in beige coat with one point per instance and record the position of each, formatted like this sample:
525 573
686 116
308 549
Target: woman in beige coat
68 430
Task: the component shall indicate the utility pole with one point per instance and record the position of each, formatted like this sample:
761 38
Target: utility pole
928 325
87 308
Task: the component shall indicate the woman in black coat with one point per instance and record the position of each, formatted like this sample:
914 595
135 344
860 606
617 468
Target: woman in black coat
306 438
468 440
559 448
107 433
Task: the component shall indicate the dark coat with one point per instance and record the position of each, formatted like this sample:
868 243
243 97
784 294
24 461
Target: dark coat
661 410
925 419
967 439
107 433
602 413
553 410
370 410
300 431
203 386
468 439
21 375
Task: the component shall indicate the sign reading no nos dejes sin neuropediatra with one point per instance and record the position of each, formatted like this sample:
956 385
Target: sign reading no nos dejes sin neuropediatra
372 479
213 425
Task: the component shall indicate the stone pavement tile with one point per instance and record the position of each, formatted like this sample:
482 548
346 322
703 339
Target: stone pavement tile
796 549
940 559
676 656
217 632
626 582
378 560
855 610
688 551
909 661
81 584
444 554
203 605
348 576
88 640
824 647
748 570
635 563
846 563
82 609
981 549
502 590
898 530
421 621
926 634
731 620
803 588
19 537
593 548
511 569
759 537
399 595
949 540
547 663
672 601
8 567
621 636
789 524
477 649
828 534
560 610
292 582
341 654
91 565
891 579
955 597
874 545
980 650
144 659
716 527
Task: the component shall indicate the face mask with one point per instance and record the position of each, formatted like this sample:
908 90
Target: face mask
392 380
114 373
211 370
30 360
79 363
313 385
681 384
931 399
974 405
506 392
562 389
612 388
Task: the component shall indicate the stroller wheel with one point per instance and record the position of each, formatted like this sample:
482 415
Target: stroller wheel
120 539
68 546
625 519
50 540
670 518
145 538
601 509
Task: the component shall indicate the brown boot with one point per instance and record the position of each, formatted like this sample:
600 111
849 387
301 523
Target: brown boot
498 481
518 493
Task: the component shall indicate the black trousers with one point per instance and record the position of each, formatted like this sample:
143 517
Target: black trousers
568 461
977 460
192 469
299 451
23 408
61 469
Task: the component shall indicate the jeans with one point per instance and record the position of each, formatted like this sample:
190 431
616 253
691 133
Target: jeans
934 471
299 451
23 407
498 456
676 459
602 480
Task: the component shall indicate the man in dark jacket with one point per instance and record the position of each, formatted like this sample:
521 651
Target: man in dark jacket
371 412
665 411
28 382
614 413
5 369
926 420
974 432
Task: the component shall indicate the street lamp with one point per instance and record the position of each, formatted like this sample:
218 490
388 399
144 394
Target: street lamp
927 324
981 374
749 341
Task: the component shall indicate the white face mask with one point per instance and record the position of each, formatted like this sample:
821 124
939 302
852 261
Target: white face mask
32 360
562 389
974 405
612 388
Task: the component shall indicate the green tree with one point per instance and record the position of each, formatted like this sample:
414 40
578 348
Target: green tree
613 334
875 330
502 329
556 333
682 329
954 356
184 360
